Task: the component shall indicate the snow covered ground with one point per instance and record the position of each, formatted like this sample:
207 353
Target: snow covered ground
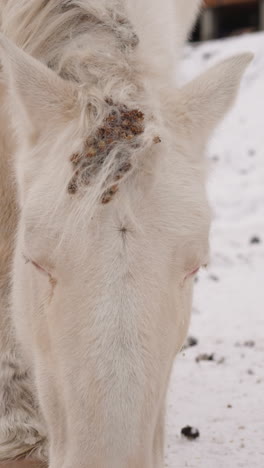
224 397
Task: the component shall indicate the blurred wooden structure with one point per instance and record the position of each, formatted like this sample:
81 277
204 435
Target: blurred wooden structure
212 10
218 3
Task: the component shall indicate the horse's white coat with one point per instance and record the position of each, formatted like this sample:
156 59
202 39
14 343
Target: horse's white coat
100 329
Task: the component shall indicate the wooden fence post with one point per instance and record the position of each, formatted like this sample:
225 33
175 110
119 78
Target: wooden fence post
261 15
208 24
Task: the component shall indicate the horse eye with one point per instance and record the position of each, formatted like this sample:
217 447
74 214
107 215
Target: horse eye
36 265
195 271
192 273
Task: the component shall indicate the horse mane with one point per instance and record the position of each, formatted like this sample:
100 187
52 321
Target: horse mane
53 31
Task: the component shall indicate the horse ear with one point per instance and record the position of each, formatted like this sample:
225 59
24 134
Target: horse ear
38 94
202 103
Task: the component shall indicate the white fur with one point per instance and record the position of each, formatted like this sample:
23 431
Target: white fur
101 331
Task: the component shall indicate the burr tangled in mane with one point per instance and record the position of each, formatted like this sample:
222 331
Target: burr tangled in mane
121 128
104 221
119 134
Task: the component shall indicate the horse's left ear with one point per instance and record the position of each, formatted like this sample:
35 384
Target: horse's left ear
201 104
38 95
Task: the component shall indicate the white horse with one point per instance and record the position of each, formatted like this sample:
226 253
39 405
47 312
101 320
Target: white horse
113 221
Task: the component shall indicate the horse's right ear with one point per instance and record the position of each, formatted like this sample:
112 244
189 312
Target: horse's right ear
38 95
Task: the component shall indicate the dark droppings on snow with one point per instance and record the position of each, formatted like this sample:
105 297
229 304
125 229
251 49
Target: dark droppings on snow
222 360
214 278
190 342
243 171
190 432
255 240
246 344
205 357
207 55
210 357
210 54
215 157
249 343
251 152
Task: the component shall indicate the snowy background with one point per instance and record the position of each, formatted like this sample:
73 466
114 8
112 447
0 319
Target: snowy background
224 397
